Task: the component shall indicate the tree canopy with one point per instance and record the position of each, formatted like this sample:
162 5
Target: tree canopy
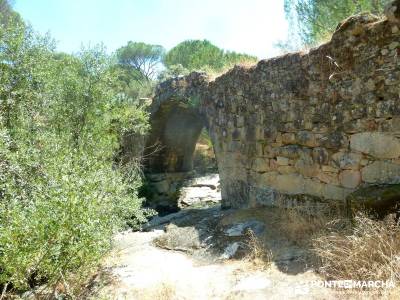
140 59
202 54
194 54
7 13
5 7
314 20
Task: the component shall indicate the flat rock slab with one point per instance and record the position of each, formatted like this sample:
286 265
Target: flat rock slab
211 180
177 238
240 229
194 195
230 251
204 189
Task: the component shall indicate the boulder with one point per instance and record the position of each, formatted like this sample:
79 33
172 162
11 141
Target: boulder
179 238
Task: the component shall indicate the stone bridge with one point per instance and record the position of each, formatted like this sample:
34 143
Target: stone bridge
301 128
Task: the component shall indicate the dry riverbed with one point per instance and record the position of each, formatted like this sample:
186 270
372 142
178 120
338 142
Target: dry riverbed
204 252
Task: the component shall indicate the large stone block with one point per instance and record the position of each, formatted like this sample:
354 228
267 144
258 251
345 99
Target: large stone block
264 196
377 144
313 187
282 161
307 138
288 138
306 166
286 169
328 177
336 192
260 164
381 172
267 179
320 156
289 183
289 151
334 140
347 160
350 178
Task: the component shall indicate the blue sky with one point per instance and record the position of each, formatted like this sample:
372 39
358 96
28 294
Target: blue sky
250 26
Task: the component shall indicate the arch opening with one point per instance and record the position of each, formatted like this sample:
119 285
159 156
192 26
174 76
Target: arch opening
178 152
171 145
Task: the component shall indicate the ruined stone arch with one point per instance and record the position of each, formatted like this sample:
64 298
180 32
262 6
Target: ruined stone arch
296 129
176 124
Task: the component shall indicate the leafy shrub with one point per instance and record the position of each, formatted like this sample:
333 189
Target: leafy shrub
67 221
62 196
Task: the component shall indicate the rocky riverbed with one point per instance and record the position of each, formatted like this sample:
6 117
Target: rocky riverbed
201 252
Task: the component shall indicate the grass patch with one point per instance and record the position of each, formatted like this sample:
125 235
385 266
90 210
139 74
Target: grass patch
258 256
300 227
368 250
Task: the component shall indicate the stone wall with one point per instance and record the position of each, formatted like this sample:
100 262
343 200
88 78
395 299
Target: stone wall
309 126
321 123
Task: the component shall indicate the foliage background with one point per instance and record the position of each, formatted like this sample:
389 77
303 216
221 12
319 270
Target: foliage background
62 193
313 21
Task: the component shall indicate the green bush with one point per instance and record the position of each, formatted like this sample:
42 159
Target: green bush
67 221
62 195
